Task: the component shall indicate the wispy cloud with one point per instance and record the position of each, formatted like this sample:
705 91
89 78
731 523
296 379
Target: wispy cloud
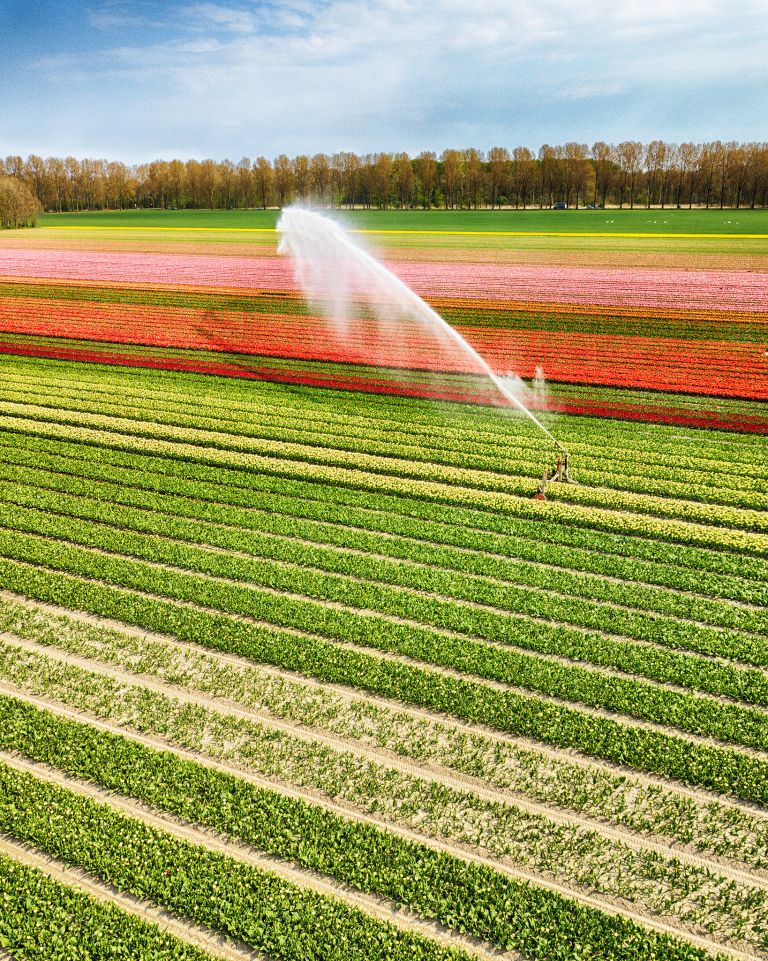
247 76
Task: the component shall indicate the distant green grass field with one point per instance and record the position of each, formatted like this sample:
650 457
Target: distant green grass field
580 221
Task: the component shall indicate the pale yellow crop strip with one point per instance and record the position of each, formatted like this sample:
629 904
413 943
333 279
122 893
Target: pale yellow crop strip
435 233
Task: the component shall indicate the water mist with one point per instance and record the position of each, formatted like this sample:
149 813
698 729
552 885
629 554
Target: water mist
335 272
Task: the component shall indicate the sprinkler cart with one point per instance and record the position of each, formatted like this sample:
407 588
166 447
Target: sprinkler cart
558 476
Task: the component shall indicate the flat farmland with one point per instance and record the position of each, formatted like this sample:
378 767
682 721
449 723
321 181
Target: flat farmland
293 666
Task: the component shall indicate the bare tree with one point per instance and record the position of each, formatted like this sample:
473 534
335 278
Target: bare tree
283 177
523 175
473 165
629 155
499 171
426 171
320 177
405 180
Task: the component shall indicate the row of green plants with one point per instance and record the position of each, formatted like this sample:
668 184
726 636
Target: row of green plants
253 906
617 519
468 532
560 781
147 596
44 920
359 436
258 908
498 830
119 532
445 570
468 484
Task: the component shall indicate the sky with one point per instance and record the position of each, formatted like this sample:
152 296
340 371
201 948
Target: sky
135 80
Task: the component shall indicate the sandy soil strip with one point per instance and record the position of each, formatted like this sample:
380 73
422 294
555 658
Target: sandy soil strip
604 904
185 930
699 795
431 772
305 878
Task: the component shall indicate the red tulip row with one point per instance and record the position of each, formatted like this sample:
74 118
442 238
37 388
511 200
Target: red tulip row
336 377
684 366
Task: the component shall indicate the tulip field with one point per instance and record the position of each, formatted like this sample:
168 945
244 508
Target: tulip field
293 666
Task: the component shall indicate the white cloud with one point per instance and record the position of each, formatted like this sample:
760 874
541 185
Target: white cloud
296 75
207 15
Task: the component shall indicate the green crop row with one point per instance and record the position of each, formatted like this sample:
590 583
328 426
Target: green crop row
697 715
591 440
258 908
451 572
500 830
243 902
264 423
469 534
44 920
365 618
705 825
514 604
719 768
470 483
615 520
423 636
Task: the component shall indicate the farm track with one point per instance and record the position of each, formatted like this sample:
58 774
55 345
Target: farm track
72 877
210 839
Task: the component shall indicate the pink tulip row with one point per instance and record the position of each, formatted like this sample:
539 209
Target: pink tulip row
675 289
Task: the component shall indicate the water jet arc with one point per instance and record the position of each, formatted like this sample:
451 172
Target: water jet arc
319 245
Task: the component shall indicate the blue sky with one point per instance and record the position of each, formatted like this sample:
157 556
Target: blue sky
140 80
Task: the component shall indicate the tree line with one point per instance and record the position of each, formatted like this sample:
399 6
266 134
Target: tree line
628 174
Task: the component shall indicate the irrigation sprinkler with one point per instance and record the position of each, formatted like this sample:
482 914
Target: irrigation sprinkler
559 475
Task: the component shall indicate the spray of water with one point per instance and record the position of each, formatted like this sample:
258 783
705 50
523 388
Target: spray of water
334 272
